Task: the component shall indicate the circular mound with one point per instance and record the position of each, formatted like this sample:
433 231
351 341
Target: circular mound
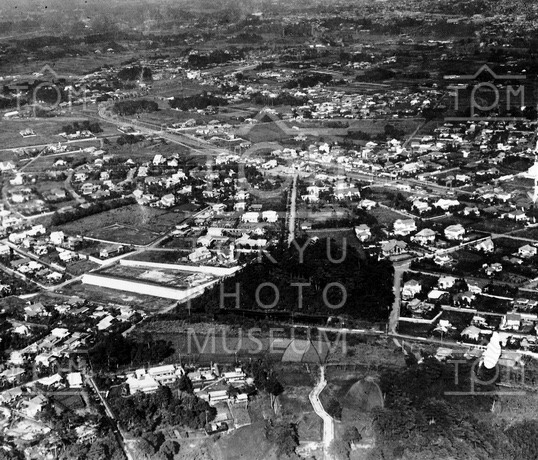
364 395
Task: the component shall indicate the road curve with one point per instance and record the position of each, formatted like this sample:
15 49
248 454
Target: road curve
328 422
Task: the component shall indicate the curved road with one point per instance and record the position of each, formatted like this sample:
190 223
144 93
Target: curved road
328 422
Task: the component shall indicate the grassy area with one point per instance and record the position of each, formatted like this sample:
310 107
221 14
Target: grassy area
247 443
143 218
496 225
386 216
531 233
81 266
46 129
163 257
148 304
125 234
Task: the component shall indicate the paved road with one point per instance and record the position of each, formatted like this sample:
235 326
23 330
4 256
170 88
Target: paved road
328 422
112 419
293 210
395 313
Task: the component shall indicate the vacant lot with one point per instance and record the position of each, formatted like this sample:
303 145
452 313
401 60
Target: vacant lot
147 304
144 218
163 257
46 130
386 216
125 234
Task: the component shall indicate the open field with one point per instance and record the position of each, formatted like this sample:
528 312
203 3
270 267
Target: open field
161 277
528 233
151 220
144 151
338 235
163 257
246 443
125 234
147 304
386 216
47 130
294 402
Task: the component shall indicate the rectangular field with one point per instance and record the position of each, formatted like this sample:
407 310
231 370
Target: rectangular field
145 303
148 221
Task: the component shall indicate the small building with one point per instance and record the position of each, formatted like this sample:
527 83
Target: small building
404 227
455 232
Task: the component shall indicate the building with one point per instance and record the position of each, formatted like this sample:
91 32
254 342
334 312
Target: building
140 381
527 251
168 200
404 227
446 282
486 245
455 232
250 217
425 236
167 374
393 248
410 289
363 232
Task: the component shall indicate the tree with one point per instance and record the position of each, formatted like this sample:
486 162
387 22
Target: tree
285 435
185 384
340 449
168 449
232 392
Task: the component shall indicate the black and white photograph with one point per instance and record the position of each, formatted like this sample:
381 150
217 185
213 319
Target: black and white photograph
268 230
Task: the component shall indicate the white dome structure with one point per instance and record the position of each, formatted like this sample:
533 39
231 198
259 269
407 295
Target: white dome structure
493 351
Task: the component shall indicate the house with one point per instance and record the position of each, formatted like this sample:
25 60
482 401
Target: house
468 210
240 206
80 176
486 245
425 236
363 232
455 232
517 215
74 379
168 200
445 204
86 434
140 381
270 216
12 374
527 251
105 323
393 247
250 217
410 289
110 251
511 320
88 188
199 255
471 332
421 206
367 204
404 227
57 238
33 406
446 282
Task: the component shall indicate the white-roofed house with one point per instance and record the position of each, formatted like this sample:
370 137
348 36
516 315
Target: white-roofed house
404 227
455 232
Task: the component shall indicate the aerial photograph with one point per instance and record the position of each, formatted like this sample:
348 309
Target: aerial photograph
268 229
